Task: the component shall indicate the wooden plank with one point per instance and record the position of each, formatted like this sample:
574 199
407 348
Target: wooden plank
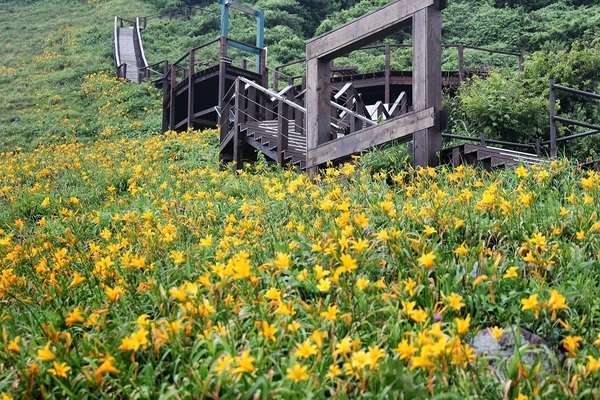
401 128
427 81
365 30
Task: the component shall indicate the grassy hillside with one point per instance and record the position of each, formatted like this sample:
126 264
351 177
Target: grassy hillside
56 74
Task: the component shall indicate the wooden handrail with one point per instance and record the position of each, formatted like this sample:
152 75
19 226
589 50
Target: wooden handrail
555 118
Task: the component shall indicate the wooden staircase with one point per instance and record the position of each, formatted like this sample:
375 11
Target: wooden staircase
593 165
255 119
263 136
487 157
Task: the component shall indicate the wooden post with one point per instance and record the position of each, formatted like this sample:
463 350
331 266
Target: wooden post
461 62
222 68
318 108
283 125
387 74
190 110
166 91
172 97
264 73
251 110
238 140
276 79
427 81
552 120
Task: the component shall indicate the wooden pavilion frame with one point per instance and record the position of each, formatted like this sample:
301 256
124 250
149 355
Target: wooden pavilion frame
422 125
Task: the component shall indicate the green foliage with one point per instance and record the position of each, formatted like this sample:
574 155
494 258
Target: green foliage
513 106
165 5
502 106
344 16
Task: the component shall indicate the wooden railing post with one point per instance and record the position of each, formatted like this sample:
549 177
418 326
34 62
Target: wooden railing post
222 66
252 107
276 79
482 138
190 110
166 91
172 97
283 125
387 74
427 81
238 140
552 120
263 68
461 62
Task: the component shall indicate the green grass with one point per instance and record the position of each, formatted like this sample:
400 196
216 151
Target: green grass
48 49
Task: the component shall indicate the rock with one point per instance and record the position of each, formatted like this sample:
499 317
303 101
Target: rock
501 352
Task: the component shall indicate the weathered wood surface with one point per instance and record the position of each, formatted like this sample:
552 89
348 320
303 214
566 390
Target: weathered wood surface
398 129
365 30
487 157
127 53
317 100
427 81
425 16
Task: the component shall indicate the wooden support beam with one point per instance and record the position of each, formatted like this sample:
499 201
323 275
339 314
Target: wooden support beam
238 139
190 99
223 64
427 81
399 129
283 126
166 93
388 73
367 29
318 107
172 97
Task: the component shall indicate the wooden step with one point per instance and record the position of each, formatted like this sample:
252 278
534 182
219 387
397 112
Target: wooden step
488 157
593 165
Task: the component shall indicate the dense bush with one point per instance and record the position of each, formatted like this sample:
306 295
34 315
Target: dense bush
514 106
